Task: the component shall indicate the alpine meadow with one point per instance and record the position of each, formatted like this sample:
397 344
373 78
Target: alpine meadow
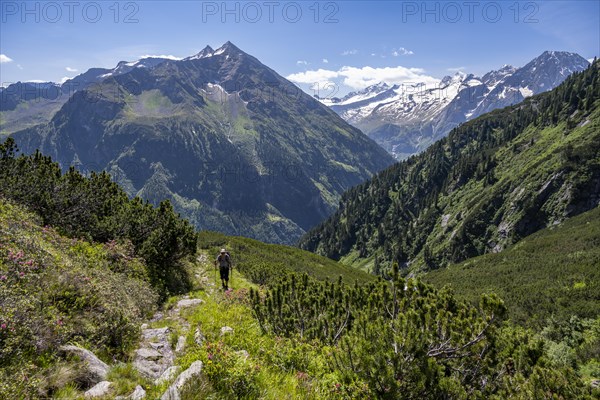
372 200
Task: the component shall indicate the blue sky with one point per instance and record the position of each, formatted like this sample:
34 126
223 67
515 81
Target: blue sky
331 46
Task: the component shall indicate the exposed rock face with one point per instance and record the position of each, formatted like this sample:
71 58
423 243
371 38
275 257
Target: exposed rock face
96 369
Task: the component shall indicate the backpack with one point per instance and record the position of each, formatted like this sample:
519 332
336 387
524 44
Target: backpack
227 257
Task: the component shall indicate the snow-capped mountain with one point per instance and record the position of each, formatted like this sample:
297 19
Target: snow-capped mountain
95 75
405 119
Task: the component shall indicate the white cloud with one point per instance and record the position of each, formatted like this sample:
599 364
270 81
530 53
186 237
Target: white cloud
325 61
5 59
169 57
402 52
302 62
69 69
19 66
64 79
455 69
349 52
36 81
360 78
313 77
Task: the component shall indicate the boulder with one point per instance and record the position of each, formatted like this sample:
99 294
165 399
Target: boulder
168 375
96 369
138 394
173 392
99 390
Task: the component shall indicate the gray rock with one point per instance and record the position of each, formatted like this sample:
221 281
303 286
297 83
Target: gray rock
97 370
99 390
173 392
189 303
155 354
199 337
156 334
157 317
180 344
168 375
138 394
148 354
225 330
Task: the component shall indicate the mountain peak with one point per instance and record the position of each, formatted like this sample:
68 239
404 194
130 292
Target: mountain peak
206 52
227 47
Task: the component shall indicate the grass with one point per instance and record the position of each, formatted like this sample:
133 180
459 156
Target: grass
247 253
275 368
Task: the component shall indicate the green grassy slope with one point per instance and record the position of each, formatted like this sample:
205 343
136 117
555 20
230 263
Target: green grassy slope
251 256
555 271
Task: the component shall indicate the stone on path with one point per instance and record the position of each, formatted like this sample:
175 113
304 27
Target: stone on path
173 392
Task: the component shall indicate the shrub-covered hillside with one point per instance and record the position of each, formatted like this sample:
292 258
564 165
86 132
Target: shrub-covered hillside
95 208
554 272
55 290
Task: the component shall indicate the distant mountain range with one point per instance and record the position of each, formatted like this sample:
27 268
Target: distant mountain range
488 184
406 119
236 147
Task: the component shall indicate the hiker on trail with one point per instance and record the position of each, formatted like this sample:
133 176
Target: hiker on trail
224 262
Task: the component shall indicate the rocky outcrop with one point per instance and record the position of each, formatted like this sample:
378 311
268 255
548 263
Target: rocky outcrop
95 369
174 391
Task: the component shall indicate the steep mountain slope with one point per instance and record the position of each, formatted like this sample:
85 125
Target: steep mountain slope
236 147
557 270
491 182
406 119
26 104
